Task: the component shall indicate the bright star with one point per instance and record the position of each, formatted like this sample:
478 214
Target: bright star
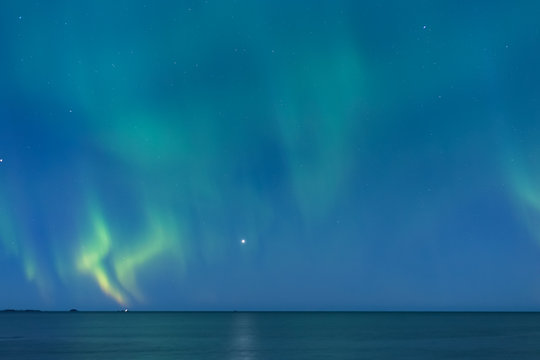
243 241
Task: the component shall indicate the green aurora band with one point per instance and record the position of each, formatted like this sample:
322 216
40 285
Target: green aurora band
180 151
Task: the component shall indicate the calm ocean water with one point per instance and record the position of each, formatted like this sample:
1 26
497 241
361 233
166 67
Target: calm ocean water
269 336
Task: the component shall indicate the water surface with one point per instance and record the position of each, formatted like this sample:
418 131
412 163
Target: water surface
177 335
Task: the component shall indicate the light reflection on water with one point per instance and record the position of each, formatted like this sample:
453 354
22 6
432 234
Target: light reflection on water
244 338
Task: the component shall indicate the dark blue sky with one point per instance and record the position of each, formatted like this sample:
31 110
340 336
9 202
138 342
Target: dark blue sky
372 155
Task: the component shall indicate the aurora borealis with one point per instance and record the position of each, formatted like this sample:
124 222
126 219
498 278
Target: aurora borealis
373 155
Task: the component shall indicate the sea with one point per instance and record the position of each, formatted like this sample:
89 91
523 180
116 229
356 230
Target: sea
269 335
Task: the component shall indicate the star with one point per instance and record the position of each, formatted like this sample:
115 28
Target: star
243 241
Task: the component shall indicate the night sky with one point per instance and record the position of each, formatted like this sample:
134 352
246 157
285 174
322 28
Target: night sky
270 155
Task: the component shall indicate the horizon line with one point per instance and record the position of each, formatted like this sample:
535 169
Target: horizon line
74 310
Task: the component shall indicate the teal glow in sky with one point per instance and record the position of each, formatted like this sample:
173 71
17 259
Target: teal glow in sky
372 155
